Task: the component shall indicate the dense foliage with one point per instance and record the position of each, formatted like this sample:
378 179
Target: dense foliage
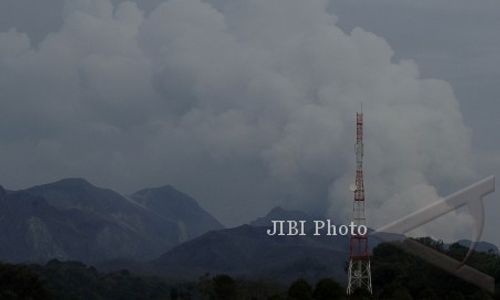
396 275
20 282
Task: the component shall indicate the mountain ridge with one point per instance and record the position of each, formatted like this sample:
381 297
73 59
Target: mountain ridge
72 219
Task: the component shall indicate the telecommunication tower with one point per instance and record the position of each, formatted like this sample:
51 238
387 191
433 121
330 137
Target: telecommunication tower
359 271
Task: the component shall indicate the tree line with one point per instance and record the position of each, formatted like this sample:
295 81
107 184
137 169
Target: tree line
396 275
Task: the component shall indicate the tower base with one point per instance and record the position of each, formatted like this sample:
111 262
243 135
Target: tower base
359 275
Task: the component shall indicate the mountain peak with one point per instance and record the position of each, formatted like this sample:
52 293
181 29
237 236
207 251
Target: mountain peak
78 193
175 205
279 213
73 219
277 210
72 182
164 195
158 190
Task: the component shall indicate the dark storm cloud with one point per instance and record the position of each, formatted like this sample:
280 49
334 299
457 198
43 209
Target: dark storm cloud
244 104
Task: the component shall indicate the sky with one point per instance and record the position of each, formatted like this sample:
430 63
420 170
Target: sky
249 104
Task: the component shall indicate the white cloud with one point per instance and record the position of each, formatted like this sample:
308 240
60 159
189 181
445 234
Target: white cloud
245 106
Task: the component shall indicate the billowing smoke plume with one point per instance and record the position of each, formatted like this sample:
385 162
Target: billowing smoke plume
245 104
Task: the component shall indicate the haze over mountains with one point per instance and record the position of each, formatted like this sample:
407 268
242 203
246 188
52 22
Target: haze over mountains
74 220
247 251
161 231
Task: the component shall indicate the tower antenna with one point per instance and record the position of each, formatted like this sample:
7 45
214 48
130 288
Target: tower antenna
359 272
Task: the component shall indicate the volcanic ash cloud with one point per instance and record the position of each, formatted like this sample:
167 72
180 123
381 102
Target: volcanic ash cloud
244 104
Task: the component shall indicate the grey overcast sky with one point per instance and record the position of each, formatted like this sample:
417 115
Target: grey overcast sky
248 104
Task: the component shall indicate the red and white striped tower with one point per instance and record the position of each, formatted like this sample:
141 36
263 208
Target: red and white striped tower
359 256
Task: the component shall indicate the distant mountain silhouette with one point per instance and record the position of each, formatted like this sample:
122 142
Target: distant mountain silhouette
72 219
168 202
279 213
480 246
247 251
